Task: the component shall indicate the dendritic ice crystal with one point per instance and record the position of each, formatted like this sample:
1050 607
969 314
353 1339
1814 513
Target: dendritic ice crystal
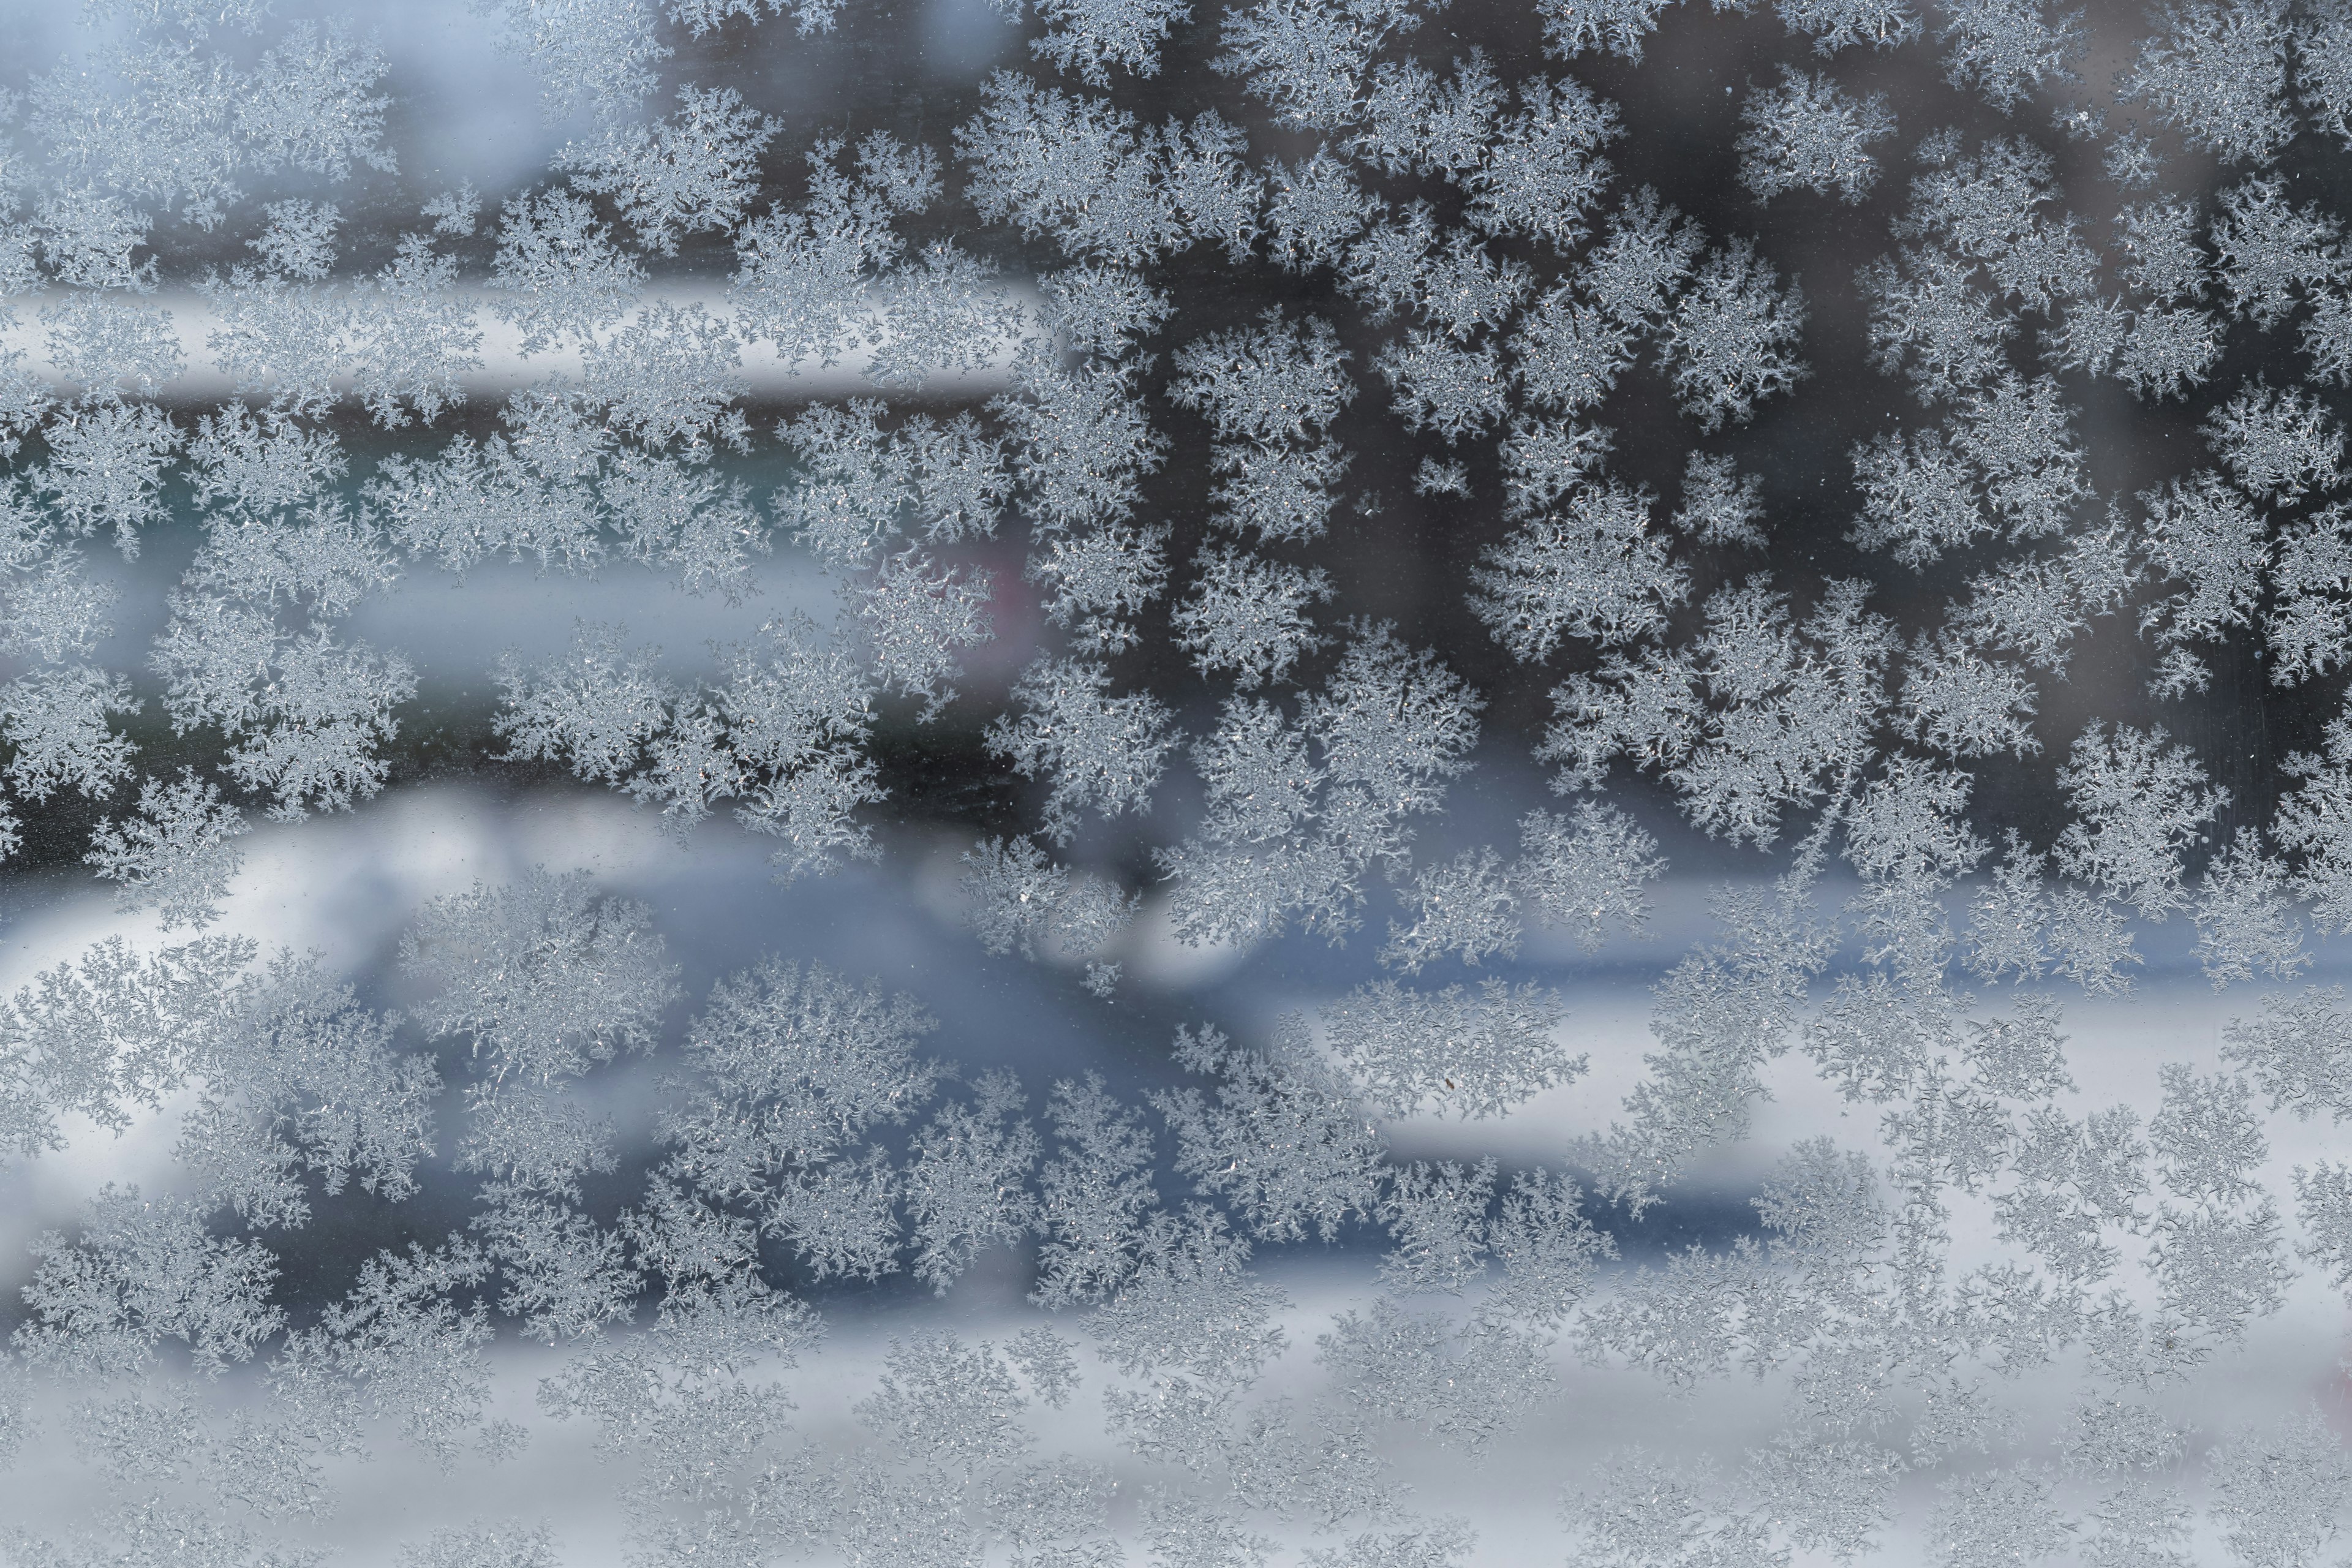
1358 784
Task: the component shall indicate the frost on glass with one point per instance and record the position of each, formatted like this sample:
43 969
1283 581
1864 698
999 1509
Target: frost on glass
1467 732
